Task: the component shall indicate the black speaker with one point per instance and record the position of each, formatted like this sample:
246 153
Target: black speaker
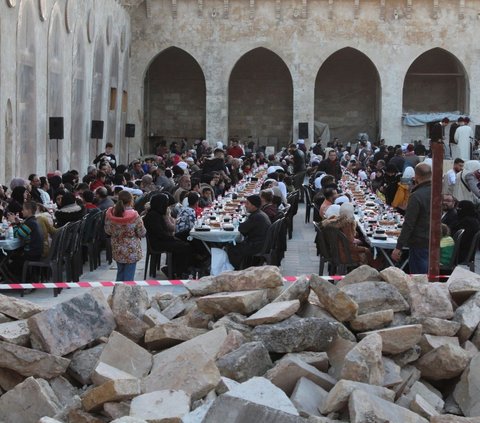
477 132
55 128
303 130
97 129
129 130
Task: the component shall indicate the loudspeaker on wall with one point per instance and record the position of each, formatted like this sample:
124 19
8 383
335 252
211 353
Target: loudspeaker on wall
97 129
129 130
55 128
303 130
477 132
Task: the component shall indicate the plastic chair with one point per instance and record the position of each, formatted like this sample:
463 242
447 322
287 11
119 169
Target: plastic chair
271 250
71 250
322 249
457 238
153 258
334 238
308 202
470 259
292 199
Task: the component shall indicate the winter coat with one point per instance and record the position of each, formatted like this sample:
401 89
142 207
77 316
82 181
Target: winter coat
126 233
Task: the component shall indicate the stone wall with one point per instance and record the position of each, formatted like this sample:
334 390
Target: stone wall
61 58
304 34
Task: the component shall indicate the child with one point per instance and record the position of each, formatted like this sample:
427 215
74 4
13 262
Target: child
206 198
447 245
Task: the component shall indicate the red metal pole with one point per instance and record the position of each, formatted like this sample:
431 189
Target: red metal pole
435 211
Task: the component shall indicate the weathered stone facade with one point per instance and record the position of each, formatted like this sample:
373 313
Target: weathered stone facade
345 63
61 58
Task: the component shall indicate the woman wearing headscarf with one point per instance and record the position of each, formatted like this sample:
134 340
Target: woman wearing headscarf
69 210
468 220
17 198
402 195
160 226
126 229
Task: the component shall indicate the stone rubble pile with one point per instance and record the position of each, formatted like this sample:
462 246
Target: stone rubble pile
241 348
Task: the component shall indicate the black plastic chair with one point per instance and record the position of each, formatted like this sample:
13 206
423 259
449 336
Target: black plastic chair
322 249
152 261
457 238
308 202
470 258
71 250
292 199
334 238
271 253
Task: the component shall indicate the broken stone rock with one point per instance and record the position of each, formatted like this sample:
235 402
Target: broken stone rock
434 326
64 390
336 353
397 339
9 379
295 291
444 362
398 278
262 277
174 308
376 296
450 418
83 362
234 321
308 397
429 342
115 390
104 373
408 356
430 300
273 313
462 284
115 410
161 406
319 360
18 308
372 321
363 363
392 376
29 362
170 334
28 402
468 315
422 407
153 317
339 304
360 274
286 373
251 359
295 334
364 407
72 324
466 392
243 302
15 332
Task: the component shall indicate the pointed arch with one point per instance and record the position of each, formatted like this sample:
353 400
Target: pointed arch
260 93
436 81
175 98
347 95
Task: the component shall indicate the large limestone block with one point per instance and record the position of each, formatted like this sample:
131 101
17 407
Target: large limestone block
468 315
338 397
363 363
444 362
295 291
364 407
169 334
429 342
251 359
161 406
236 410
115 390
188 367
16 332
72 324
467 391
398 278
360 274
376 296
294 334
262 277
462 284
286 373
126 355
434 326
243 302
333 299
18 308
397 339
372 321
30 362
273 313
83 362
129 305
430 300
28 402
262 392
308 397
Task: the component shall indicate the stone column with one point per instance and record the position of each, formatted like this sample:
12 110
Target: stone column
303 76
216 84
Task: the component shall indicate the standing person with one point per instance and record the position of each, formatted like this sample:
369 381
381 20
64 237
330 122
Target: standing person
126 228
331 165
106 157
416 227
299 168
451 176
463 138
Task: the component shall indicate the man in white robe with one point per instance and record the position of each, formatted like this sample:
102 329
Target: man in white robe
463 138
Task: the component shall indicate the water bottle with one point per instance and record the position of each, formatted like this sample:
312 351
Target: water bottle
10 232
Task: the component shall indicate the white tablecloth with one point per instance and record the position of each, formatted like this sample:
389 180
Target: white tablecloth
10 244
217 235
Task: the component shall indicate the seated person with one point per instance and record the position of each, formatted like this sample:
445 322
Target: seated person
29 231
186 216
330 195
254 230
447 245
206 198
268 207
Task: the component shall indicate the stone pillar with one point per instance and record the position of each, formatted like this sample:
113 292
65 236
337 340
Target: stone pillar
303 76
216 84
391 104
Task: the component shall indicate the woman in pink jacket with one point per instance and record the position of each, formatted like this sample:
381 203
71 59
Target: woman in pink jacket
126 228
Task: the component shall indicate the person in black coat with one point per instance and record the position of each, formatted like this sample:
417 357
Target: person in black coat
449 212
69 211
160 228
254 229
468 220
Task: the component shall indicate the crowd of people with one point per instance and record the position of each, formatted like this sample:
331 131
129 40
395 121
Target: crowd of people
161 197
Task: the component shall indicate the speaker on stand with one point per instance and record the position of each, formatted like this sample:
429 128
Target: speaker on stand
55 132
129 133
303 130
97 132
